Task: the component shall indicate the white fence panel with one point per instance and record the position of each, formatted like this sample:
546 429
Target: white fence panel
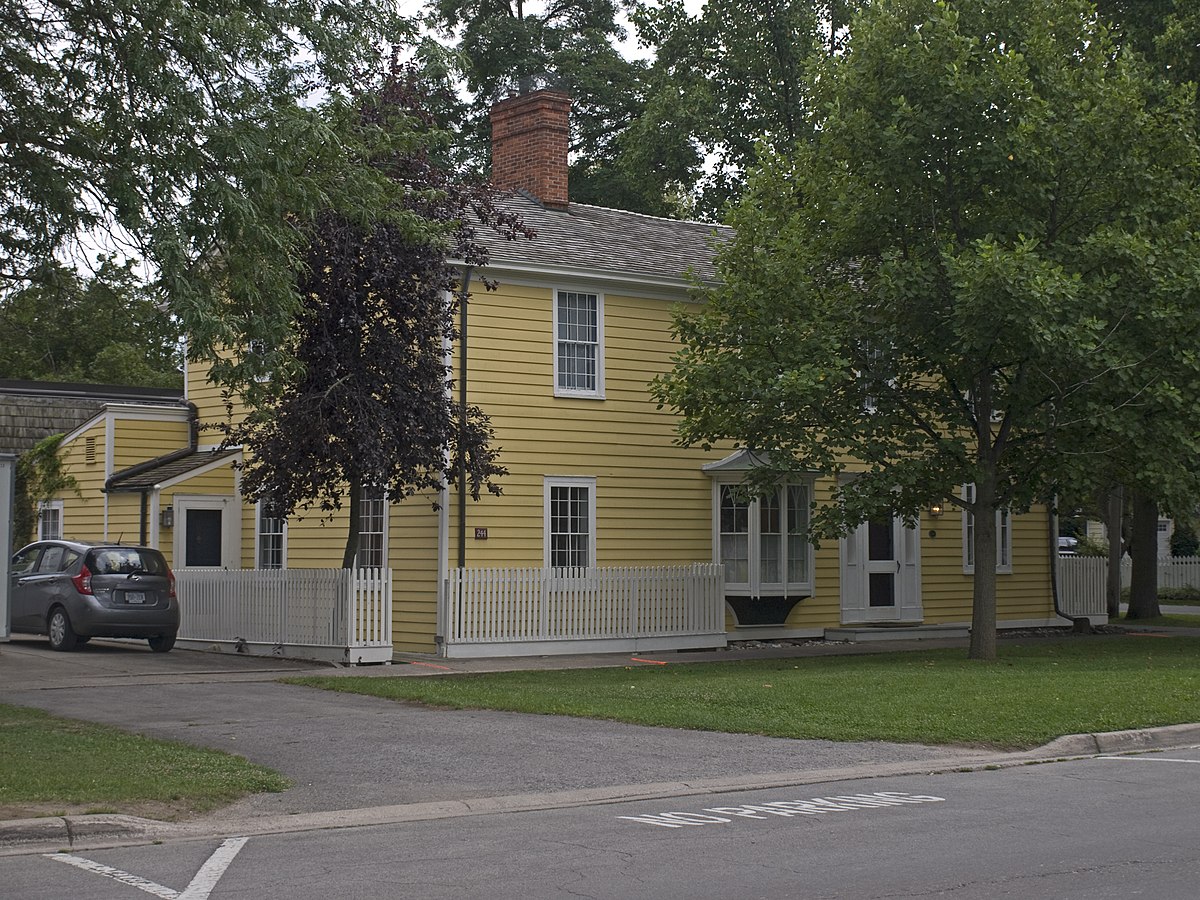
1081 585
1177 572
1082 580
336 614
566 610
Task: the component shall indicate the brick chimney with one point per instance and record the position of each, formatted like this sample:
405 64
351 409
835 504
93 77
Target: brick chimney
529 145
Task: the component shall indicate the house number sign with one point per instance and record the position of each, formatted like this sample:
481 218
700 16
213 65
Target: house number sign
481 534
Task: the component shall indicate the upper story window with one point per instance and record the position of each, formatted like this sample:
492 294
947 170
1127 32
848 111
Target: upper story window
1003 536
570 525
272 538
578 344
763 543
372 530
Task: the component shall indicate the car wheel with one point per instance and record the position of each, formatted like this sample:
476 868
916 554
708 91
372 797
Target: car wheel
162 643
62 635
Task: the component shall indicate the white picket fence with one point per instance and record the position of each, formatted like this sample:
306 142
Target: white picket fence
1082 580
514 611
339 615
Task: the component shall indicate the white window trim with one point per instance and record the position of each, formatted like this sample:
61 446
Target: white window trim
748 588
553 481
56 505
598 393
283 564
387 515
1004 557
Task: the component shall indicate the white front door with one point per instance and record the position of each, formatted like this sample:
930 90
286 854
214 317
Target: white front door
881 573
206 530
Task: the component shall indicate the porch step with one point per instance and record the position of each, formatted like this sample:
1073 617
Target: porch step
856 634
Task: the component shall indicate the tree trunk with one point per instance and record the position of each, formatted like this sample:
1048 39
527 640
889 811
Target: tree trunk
348 558
1143 547
983 607
1114 512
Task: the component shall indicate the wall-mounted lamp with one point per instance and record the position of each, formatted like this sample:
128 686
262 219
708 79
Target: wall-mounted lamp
166 517
936 509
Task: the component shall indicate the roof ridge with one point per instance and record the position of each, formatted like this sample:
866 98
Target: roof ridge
641 215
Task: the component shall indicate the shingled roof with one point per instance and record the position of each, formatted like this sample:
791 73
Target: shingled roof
145 476
32 410
601 241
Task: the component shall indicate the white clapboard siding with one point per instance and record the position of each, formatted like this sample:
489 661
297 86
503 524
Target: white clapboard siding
507 611
338 614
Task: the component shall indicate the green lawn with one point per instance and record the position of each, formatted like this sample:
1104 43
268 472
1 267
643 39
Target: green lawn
50 765
1035 692
1170 621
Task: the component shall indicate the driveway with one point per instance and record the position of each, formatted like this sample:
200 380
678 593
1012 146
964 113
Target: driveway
345 751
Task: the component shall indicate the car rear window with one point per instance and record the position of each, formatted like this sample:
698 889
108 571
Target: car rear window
126 560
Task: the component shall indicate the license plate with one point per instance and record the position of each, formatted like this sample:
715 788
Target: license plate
135 597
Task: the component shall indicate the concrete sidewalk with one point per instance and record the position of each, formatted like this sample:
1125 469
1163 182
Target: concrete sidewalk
362 760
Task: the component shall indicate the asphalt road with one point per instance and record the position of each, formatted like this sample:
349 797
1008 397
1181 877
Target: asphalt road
1095 828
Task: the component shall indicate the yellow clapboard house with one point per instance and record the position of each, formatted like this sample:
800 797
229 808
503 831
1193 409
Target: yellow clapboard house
607 535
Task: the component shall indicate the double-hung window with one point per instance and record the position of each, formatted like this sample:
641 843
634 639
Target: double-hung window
1003 536
570 526
50 521
578 344
271 538
372 530
763 543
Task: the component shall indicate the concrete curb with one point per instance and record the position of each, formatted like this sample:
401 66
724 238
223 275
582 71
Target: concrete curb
64 832
58 833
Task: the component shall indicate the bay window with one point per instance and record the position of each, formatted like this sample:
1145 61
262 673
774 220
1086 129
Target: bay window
763 542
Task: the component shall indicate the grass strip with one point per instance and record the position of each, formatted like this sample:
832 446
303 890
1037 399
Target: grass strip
49 761
1166 621
1036 691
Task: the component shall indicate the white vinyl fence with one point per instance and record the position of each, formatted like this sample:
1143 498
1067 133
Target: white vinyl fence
510 612
1081 586
1082 580
339 615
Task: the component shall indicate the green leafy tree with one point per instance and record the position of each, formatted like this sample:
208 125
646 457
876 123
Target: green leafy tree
509 45
108 328
982 269
196 136
39 477
370 404
724 81
1167 34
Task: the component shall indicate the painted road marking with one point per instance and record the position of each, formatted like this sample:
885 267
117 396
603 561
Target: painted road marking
1150 759
785 808
200 887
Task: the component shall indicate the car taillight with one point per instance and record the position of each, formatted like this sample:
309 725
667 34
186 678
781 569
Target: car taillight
83 581
170 583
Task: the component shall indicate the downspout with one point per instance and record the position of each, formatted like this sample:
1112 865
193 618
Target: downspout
464 290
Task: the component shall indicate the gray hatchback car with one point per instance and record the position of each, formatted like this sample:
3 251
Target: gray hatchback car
72 592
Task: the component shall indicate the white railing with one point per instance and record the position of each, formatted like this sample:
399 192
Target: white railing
1082 580
340 615
505 612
